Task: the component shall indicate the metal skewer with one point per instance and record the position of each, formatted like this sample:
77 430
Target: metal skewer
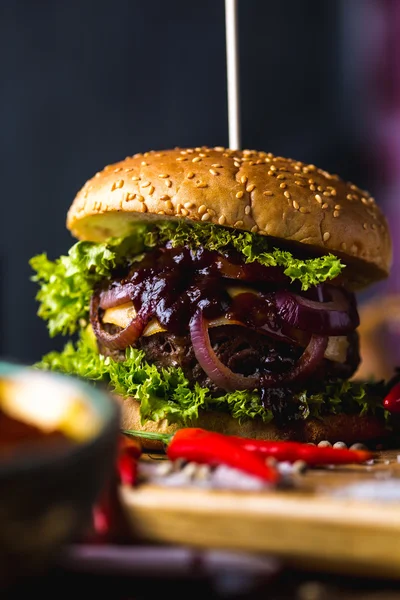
231 33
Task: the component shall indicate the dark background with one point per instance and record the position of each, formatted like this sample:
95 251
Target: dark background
87 82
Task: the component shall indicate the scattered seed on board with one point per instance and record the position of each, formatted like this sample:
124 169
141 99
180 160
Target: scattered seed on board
299 466
340 445
324 444
358 446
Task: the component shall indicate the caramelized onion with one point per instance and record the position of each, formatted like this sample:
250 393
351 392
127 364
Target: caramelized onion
115 296
250 271
219 373
226 379
123 338
307 363
336 317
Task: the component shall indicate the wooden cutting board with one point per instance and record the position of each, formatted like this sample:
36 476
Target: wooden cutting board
344 519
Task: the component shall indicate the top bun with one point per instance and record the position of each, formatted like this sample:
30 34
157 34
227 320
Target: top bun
296 203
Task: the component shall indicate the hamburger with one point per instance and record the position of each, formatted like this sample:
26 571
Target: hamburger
218 288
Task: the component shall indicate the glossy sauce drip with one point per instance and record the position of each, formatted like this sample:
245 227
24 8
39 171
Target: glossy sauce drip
172 283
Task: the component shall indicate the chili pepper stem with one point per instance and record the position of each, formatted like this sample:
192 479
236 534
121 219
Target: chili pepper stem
150 435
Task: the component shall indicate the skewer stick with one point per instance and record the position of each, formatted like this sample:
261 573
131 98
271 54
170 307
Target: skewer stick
231 32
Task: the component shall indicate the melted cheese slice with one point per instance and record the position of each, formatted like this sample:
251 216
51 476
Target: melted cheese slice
122 315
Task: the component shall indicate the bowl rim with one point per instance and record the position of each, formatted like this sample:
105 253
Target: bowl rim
40 458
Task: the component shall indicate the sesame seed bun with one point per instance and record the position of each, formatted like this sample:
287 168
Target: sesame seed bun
295 203
349 429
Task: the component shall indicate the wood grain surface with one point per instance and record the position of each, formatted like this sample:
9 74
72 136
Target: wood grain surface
343 519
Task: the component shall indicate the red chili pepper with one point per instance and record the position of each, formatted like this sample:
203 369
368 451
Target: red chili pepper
282 451
391 401
216 448
312 455
208 447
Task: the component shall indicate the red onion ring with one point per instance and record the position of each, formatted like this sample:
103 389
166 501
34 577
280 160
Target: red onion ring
220 374
122 339
115 296
308 361
226 379
336 317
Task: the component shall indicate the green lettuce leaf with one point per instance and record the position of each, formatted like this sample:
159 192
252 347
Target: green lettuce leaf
167 394
66 284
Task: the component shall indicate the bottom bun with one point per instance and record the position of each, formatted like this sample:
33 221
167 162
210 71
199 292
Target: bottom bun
345 428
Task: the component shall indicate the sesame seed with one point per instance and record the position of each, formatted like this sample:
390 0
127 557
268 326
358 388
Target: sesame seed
343 245
239 195
296 205
163 175
184 212
267 193
243 179
181 158
144 163
140 198
128 169
311 180
165 198
373 225
236 164
202 209
196 159
312 188
247 209
297 182
283 185
168 183
203 155
211 212
325 205
337 207
349 196
364 200
353 249
161 212
135 178
272 168
336 213
280 176
238 224
250 187
188 204
217 166
327 194
143 207
320 188
145 184
201 184
219 148
118 169
222 220
190 175
304 210
178 207
365 226
213 172
169 204
130 196
254 229
151 190
286 194
326 236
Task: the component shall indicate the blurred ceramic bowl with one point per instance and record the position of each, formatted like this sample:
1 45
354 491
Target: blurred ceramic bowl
47 490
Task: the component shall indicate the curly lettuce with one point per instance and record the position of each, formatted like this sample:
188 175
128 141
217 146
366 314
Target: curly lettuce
66 284
167 394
